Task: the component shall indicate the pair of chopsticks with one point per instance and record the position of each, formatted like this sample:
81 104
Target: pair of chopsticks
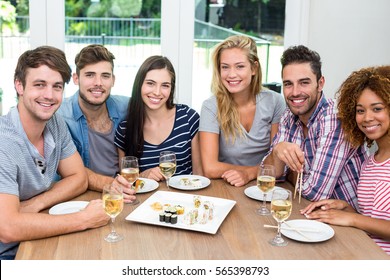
297 230
298 186
294 228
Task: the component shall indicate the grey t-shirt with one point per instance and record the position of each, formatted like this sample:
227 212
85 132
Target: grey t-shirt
248 150
103 152
20 172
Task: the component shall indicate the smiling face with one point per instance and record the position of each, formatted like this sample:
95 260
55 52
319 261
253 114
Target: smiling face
42 94
236 71
301 90
95 82
372 116
156 88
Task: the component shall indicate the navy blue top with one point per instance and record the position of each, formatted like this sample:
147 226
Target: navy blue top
179 141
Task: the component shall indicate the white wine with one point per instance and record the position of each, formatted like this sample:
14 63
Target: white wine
168 169
130 174
265 183
281 209
113 204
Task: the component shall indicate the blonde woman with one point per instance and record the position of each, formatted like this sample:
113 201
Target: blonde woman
239 121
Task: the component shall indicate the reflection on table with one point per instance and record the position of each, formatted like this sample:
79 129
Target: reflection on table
241 236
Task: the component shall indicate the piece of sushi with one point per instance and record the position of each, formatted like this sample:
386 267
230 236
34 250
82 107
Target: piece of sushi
179 210
196 183
185 182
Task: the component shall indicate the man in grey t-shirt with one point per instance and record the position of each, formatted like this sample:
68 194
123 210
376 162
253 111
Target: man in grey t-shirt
35 144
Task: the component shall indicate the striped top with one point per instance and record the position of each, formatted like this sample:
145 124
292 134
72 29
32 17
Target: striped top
179 141
332 165
23 171
374 194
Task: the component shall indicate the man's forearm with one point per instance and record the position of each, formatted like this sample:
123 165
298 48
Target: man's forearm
97 181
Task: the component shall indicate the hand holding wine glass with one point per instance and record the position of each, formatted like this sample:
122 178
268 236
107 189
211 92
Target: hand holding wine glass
281 206
167 164
266 183
113 206
130 171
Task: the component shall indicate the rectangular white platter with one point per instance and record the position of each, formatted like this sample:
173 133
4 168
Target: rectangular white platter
144 213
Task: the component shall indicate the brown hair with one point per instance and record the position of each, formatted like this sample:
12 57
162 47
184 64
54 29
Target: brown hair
92 54
52 57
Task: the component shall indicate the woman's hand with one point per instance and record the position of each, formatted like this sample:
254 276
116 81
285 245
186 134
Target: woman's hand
153 173
128 191
324 205
236 178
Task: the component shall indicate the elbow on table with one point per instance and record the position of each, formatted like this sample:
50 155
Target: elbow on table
211 173
8 234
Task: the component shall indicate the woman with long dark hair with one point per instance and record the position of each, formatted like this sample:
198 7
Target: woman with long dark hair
155 123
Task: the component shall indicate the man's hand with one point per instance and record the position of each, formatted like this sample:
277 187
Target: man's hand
291 154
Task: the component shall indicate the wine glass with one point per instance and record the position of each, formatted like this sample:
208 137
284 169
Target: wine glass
113 206
167 164
266 183
281 205
130 171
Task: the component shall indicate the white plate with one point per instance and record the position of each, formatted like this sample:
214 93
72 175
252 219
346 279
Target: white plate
150 185
174 182
255 193
68 207
144 213
323 231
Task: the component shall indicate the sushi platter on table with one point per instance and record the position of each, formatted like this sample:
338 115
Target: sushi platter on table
183 211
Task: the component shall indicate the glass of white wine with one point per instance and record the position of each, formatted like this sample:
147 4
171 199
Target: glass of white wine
281 206
130 171
266 183
113 206
167 165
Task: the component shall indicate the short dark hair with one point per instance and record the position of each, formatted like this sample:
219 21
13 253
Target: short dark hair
92 54
52 57
302 54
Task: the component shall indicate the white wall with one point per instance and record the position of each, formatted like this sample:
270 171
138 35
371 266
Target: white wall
348 34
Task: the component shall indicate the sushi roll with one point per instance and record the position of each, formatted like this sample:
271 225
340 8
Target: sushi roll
197 201
185 182
196 183
168 217
162 216
174 219
179 210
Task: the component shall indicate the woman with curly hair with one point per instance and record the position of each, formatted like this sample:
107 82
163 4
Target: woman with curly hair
364 111
239 121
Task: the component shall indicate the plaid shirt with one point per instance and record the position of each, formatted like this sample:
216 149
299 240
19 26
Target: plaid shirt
332 166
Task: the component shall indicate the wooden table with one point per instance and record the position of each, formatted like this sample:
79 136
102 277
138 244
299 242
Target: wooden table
241 236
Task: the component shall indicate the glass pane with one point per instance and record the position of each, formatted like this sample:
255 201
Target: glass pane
14 40
129 29
216 20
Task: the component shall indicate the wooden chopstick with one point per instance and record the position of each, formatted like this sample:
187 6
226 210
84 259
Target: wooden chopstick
298 231
295 229
298 186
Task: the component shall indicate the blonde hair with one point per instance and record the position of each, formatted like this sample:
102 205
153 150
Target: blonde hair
228 115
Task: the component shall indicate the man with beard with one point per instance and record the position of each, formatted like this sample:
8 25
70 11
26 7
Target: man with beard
93 114
310 139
